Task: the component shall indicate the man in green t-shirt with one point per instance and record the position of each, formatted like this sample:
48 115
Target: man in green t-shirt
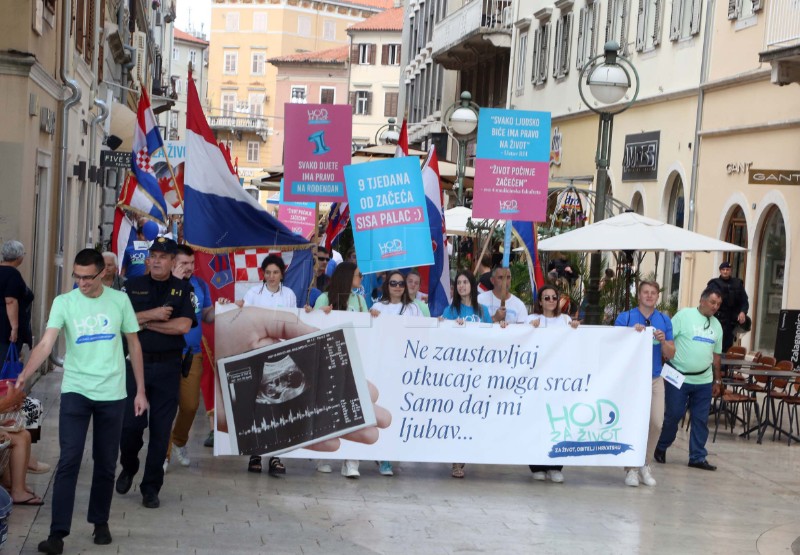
698 347
93 318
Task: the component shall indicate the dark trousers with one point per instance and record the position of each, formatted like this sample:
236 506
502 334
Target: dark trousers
728 335
73 423
162 383
697 397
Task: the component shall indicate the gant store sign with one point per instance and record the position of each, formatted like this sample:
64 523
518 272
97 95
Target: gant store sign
773 177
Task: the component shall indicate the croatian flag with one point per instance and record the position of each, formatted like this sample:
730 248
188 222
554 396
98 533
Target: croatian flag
144 195
123 234
337 223
221 218
526 234
438 275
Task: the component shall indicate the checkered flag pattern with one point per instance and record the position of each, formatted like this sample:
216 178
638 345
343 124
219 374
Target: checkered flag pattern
143 160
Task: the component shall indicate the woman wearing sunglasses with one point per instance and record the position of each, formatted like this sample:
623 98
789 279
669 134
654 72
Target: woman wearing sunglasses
395 298
342 295
547 314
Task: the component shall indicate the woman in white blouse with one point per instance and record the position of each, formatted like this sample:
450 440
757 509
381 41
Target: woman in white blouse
395 298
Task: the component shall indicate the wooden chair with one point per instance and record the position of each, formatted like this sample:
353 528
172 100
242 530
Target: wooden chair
759 382
728 406
781 391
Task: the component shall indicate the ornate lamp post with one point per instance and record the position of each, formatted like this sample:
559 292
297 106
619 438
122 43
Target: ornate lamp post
608 82
387 134
461 123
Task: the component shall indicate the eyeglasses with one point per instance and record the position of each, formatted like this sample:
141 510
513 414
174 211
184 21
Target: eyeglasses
319 258
549 298
393 283
78 278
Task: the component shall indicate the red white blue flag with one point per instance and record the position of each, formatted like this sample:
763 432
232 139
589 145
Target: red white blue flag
438 275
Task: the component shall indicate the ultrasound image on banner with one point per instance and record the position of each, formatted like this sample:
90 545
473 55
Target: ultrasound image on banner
295 393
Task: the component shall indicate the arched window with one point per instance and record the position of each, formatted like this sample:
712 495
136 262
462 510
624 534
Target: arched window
672 262
637 203
771 264
736 233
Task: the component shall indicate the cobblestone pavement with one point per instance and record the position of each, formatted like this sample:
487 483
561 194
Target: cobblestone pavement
750 505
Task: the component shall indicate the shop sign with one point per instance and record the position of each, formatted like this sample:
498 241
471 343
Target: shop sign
787 340
737 167
773 177
640 159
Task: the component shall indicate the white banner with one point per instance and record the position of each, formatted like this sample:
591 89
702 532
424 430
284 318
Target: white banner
481 394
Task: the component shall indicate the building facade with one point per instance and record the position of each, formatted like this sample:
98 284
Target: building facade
375 58
244 34
188 51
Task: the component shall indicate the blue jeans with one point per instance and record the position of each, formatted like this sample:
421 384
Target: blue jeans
73 424
698 399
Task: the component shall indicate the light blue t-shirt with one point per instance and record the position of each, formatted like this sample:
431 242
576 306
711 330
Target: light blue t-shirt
468 314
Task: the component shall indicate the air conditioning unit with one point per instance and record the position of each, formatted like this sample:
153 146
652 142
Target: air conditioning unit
140 44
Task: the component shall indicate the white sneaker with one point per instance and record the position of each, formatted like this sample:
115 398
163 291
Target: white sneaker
181 454
324 467
647 476
350 469
540 476
166 465
632 478
555 476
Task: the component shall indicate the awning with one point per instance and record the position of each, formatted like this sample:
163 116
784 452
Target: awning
122 124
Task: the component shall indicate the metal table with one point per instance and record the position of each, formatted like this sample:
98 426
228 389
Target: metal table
770 418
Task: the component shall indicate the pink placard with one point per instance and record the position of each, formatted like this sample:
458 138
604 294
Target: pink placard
317 146
299 219
511 190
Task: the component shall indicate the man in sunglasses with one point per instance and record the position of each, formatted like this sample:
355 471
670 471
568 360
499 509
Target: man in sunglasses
693 377
94 319
646 316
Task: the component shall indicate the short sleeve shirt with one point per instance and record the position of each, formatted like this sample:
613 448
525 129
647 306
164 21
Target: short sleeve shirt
516 313
201 299
397 309
697 339
658 320
355 303
11 286
94 365
134 259
467 313
146 293
260 296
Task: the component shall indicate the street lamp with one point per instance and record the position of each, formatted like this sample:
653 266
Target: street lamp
387 134
461 123
608 82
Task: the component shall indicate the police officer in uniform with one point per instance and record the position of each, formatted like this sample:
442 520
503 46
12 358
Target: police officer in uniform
735 304
163 306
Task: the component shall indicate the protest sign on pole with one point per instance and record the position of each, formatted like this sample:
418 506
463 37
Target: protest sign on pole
317 146
476 393
389 214
511 166
300 217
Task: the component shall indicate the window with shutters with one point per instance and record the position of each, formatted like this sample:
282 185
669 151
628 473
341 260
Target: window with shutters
193 58
685 20
80 25
173 120
256 104
561 45
232 22
617 23
327 95
253 151
329 30
588 18
391 55
648 25
258 62
298 95
260 22
228 104
304 26
742 9
541 44
361 102
231 63
522 55
366 54
175 54
177 84
390 104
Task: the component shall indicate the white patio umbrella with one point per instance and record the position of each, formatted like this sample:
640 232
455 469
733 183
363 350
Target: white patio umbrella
456 219
630 231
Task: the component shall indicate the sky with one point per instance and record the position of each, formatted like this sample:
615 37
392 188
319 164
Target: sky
196 11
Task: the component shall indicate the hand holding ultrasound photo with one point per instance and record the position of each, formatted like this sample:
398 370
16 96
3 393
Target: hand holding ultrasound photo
306 390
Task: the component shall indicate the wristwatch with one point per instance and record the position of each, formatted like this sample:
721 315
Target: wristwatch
717 381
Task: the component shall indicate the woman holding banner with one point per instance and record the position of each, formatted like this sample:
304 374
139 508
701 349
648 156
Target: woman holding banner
547 314
395 298
270 294
465 308
341 295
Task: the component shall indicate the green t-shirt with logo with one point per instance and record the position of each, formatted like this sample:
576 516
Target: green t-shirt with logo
94 365
697 338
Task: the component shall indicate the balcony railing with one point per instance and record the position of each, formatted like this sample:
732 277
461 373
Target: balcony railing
783 24
474 17
236 123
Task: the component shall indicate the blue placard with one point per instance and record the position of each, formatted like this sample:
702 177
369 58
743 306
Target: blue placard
388 214
513 135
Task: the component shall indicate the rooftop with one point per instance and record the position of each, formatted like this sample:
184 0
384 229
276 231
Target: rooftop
390 20
336 55
186 37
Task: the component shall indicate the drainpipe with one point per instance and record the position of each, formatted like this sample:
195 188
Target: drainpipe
98 119
698 125
74 97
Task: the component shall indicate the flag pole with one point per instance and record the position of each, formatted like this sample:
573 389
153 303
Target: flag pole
315 242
